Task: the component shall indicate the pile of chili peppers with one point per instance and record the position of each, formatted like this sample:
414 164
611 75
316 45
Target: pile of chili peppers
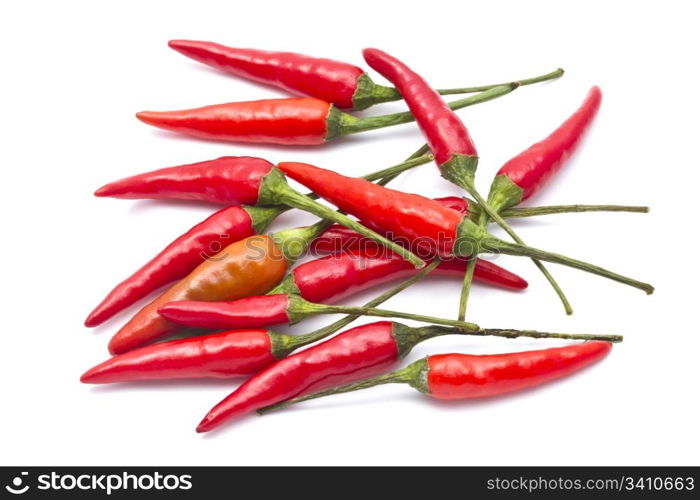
211 294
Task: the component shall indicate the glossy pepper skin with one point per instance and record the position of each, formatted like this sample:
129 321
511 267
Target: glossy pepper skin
464 376
247 267
332 81
405 215
177 259
216 355
445 133
292 121
229 180
525 174
352 355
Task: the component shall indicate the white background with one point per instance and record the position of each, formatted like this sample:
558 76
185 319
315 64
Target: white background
74 73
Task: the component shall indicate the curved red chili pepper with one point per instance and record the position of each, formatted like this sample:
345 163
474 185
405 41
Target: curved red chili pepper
465 376
535 166
332 81
419 218
445 133
357 353
219 355
177 260
291 121
229 180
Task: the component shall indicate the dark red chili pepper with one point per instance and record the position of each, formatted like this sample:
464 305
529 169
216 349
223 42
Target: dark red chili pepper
465 376
413 216
339 83
358 353
221 354
449 140
292 121
525 174
213 180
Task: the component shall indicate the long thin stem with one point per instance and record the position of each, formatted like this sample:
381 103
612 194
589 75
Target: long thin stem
513 213
499 220
526 251
310 338
387 94
400 168
527 81
351 124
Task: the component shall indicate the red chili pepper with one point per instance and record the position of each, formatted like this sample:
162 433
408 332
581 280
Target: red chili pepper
465 376
291 121
181 256
413 216
449 140
339 83
525 174
358 353
219 355
334 277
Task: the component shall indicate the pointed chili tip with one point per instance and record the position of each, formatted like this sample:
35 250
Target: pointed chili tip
149 117
206 424
106 190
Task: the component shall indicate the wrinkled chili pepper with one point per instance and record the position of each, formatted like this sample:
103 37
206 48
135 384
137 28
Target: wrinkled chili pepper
527 173
415 217
358 353
247 267
465 376
219 179
220 354
295 121
450 142
342 84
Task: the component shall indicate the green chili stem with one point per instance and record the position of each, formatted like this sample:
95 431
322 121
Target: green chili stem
499 220
514 213
526 251
350 124
386 94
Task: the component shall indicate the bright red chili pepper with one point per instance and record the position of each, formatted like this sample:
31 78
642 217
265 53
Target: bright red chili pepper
446 134
413 216
291 121
339 83
220 354
525 174
229 180
465 376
